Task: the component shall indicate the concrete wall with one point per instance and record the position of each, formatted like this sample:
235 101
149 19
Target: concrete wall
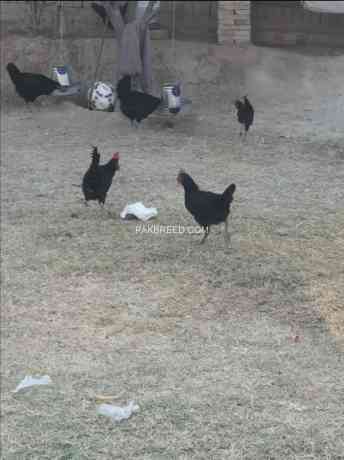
285 23
234 24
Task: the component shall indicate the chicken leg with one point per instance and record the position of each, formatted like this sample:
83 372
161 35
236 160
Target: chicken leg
206 233
227 234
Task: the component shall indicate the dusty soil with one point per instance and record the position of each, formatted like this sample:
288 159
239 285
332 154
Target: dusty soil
230 353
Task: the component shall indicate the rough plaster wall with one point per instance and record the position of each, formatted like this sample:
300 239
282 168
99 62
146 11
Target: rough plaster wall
211 75
77 22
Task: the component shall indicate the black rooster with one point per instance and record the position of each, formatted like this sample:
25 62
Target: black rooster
245 113
98 178
207 208
135 105
31 85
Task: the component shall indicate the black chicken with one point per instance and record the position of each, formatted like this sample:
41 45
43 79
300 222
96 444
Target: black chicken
31 85
135 105
245 113
98 178
207 208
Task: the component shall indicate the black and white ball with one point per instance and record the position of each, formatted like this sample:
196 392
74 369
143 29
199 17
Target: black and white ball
101 97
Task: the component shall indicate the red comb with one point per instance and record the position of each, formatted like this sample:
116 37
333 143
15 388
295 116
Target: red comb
115 156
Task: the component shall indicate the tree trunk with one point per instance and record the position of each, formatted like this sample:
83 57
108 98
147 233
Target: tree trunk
131 12
132 7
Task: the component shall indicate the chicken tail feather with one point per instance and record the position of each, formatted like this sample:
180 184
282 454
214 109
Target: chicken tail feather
228 193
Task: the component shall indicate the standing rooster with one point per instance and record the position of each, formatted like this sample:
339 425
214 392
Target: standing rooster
30 86
98 178
245 113
207 208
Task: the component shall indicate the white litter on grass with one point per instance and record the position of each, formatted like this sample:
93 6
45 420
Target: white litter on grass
117 413
140 211
30 381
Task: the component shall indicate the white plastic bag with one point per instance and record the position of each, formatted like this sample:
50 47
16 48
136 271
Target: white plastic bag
140 211
30 381
117 413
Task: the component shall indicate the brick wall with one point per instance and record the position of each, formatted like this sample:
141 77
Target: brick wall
234 24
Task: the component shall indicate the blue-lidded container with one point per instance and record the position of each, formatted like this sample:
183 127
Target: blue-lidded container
61 74
172 97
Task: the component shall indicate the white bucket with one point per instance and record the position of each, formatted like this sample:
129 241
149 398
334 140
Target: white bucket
61 74
171 97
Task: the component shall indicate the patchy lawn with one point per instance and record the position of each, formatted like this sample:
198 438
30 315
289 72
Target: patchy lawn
230 353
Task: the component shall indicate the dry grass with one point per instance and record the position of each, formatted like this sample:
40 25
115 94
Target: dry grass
330 297
231 354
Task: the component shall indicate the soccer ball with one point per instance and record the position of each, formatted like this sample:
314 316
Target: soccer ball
101 97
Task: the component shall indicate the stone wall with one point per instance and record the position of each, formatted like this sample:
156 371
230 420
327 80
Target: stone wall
234 24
